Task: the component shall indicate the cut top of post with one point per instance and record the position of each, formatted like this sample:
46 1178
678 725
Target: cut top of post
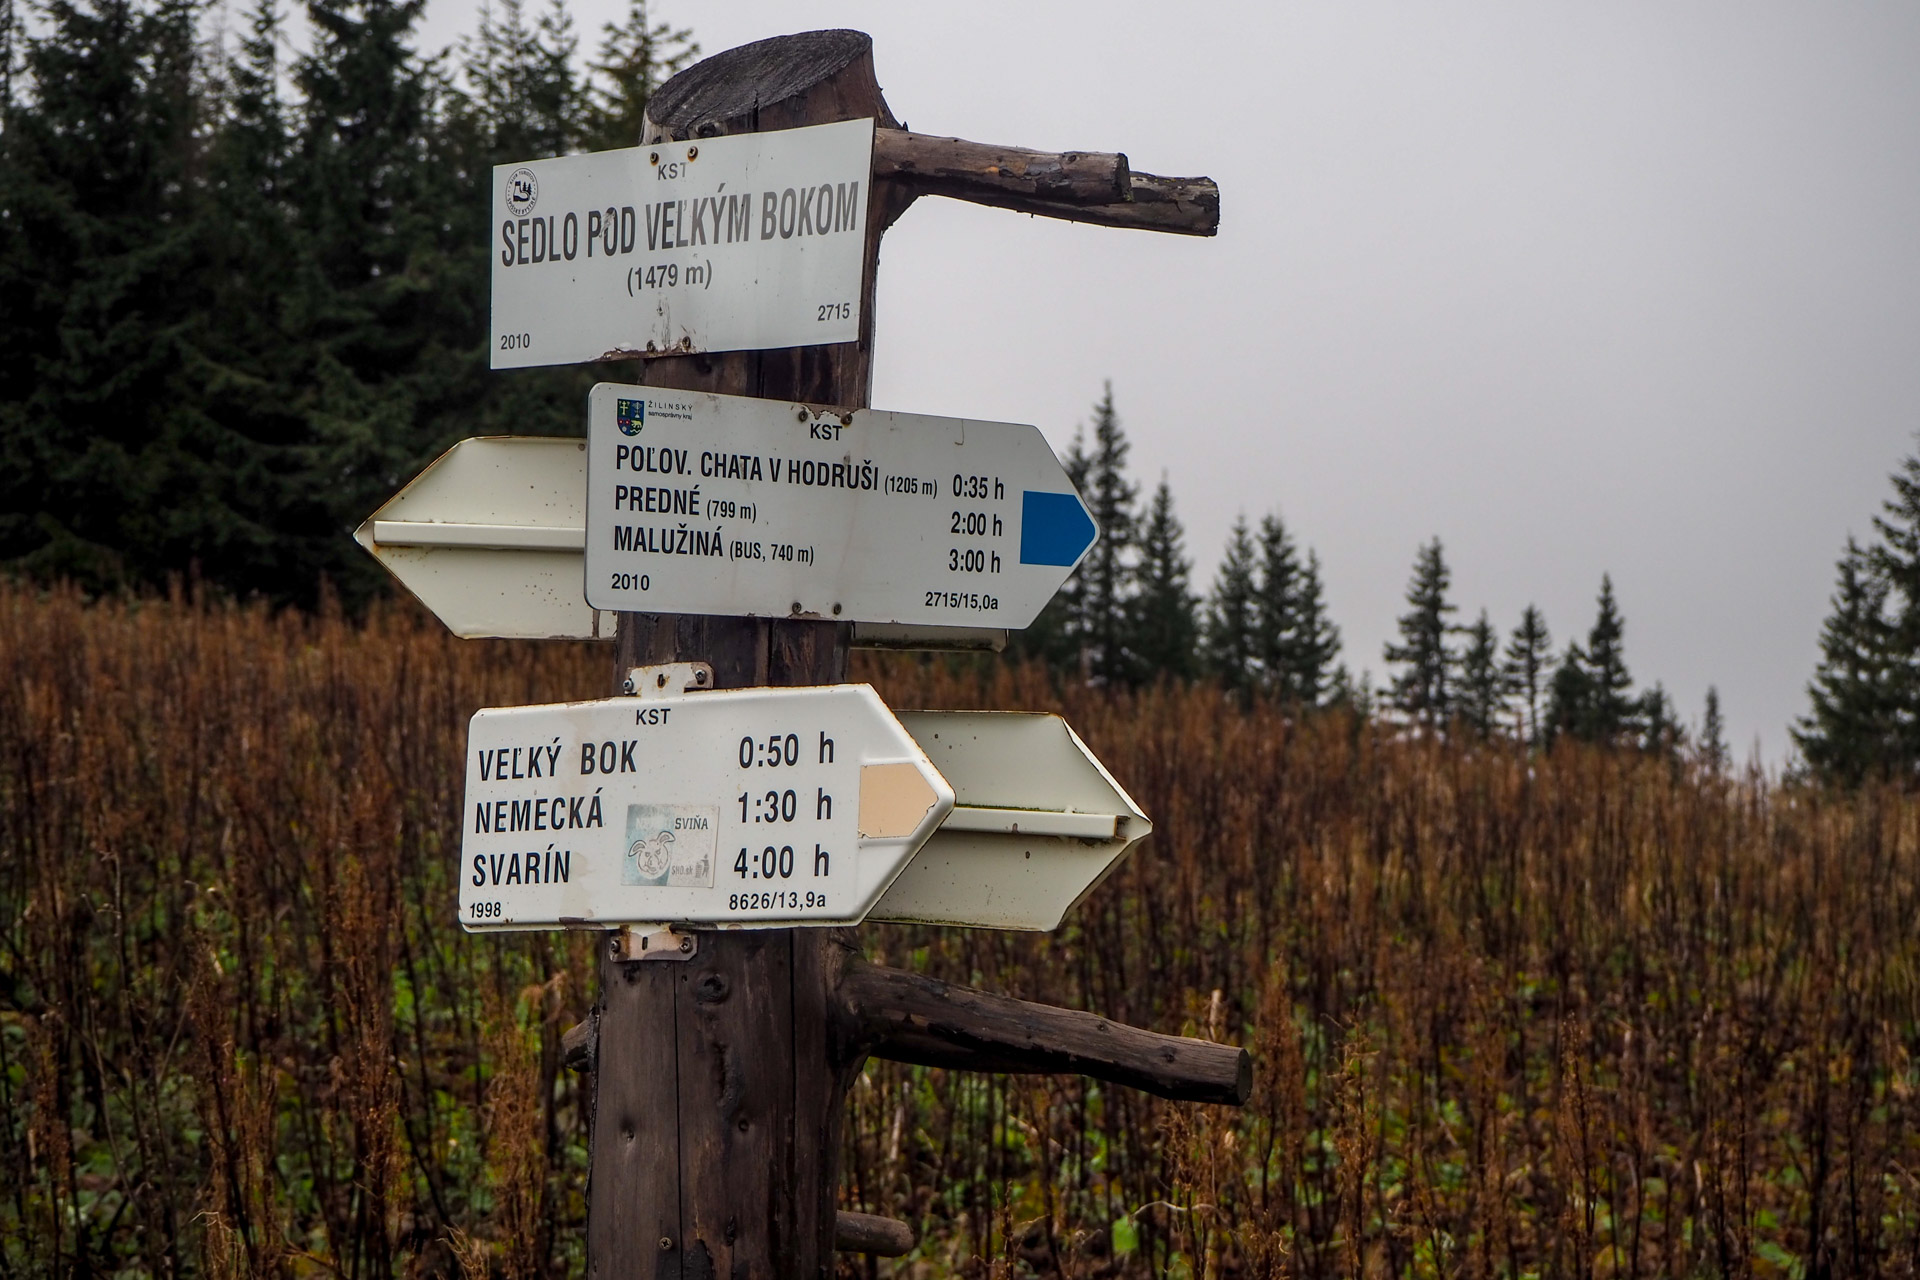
729 92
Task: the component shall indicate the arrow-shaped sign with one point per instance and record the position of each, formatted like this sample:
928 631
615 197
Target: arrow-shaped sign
1037 823
764 807
714 504
745 808
490 537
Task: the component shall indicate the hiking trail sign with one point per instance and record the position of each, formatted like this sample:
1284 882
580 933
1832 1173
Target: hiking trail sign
717 244
1037 823
711 504
490 537
745 807
652 810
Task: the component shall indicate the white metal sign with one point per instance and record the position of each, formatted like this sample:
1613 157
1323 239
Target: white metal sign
489 537
751 807
1037 823
722 244
701 503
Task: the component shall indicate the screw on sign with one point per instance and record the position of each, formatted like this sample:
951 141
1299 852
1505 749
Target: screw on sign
719 1078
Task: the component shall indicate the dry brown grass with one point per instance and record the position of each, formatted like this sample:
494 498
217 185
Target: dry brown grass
1583 1015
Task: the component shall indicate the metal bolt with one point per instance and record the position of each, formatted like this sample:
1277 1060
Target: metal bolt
699 677
692 152
654 158
686 944
613 946
660 681
796 606
802 415
666 1242
628 684
836 608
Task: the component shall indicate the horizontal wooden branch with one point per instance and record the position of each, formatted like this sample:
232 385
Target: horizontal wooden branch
985 174
870 1233
1079 186
909 1018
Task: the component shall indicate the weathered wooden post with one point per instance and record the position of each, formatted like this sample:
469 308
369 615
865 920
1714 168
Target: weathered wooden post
717 1099
719 1073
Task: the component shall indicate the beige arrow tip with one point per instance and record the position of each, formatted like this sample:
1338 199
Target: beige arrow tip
894 799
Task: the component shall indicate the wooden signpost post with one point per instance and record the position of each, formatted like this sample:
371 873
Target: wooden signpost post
720 1081
721 1056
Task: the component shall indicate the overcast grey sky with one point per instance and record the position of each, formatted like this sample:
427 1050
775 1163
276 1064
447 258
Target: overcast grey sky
1624 288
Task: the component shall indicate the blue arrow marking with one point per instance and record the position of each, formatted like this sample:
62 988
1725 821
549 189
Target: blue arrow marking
1054 528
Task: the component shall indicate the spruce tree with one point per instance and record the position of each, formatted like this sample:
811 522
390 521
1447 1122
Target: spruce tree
1294 643
1660 730
1610 709
1895 561
1524 671
1424 689
1106 574
1853 732
637 55
104 469
1713 735
1231 638
1568 696
520 82
374 270
1164 627
1480 685
557 97
276 532
1308 667
1275 586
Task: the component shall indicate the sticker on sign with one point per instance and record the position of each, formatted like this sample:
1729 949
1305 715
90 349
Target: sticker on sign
747 808
701 503
722 244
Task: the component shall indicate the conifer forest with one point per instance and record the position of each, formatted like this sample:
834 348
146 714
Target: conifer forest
1537 979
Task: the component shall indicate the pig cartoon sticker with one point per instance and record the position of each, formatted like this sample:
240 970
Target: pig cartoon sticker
670 845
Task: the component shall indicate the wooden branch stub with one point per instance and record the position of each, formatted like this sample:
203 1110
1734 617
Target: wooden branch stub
1186 206
1096 187
1181 206
870 1233
578 1042
984 174
909 1018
